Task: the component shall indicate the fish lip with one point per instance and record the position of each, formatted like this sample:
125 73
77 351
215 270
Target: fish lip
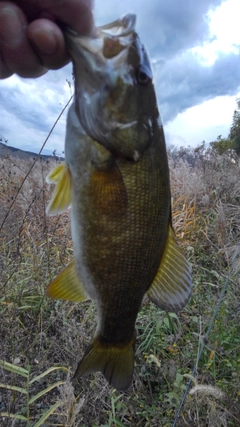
127 23
122 29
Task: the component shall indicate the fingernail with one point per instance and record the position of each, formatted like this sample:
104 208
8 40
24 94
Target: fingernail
11 30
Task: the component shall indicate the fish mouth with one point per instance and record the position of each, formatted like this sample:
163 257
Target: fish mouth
108 43
121 27
104 75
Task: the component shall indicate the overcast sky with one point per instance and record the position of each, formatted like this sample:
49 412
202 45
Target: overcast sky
194 47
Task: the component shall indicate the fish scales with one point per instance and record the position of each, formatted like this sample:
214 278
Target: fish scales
116 177
121 264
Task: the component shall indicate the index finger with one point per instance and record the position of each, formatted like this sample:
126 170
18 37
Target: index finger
78 14
38 42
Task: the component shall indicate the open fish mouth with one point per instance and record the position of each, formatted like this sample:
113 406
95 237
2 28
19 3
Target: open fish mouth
121 27
103 73
110 40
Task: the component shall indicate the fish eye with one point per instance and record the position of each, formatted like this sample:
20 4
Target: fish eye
143 75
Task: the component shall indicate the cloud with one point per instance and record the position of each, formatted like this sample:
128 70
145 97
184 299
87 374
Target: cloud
170 30
175 33
205 121
183 82
167 27
31 106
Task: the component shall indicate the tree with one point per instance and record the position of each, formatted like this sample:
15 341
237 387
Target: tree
234 134
221 145
231 144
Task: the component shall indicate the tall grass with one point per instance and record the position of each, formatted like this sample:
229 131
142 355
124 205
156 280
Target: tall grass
44 339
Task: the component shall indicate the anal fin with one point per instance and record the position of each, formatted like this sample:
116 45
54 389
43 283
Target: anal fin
171 287
67 286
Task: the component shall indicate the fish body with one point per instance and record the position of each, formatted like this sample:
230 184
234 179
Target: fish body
116 178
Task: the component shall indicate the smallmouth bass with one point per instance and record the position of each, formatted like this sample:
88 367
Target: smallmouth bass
116 178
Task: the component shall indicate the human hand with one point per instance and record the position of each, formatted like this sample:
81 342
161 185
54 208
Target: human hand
31 42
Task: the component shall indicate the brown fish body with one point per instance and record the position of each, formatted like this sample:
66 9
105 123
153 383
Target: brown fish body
116 164
123 233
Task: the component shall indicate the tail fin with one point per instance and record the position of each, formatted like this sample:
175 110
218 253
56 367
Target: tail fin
115 362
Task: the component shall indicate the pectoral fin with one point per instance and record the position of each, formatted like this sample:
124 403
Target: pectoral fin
62 195
107 189
67 286
171 287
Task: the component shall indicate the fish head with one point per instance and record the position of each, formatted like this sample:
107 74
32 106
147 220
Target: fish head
114 95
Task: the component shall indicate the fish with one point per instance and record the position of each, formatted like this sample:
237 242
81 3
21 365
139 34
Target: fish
115 177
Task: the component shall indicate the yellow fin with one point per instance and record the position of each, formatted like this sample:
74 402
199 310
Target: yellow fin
171 287
115 362
62 195
67 286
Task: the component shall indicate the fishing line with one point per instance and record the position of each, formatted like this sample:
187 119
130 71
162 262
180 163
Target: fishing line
205 338
31 168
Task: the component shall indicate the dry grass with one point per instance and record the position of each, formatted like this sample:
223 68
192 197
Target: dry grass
45 339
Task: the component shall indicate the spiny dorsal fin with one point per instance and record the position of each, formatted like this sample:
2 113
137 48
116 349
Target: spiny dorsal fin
171 287
67 286
62 195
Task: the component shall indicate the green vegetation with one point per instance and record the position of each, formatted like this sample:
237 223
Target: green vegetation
42 340
230 145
